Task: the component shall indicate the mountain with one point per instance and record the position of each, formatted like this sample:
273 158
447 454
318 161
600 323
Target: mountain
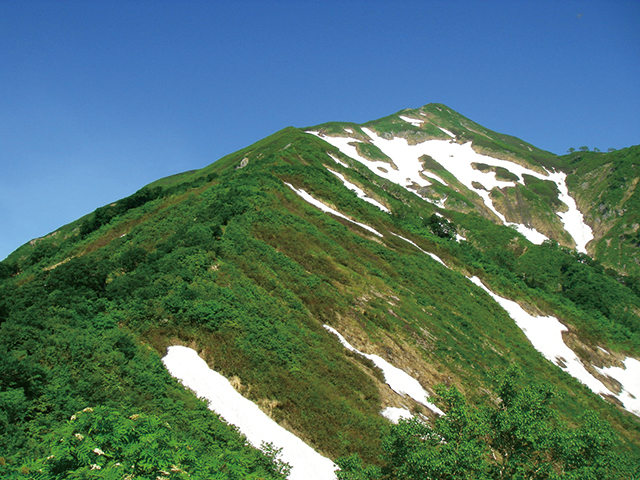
336 275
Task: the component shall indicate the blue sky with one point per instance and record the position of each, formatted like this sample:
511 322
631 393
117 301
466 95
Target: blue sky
99 98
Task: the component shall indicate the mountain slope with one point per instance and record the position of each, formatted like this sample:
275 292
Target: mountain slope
249 258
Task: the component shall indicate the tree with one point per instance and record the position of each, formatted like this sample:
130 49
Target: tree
452 448
571 150
522 429
521 436
440 226
584 148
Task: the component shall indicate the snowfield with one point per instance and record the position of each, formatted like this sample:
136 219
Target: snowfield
193 372
545 334
458 160
399 381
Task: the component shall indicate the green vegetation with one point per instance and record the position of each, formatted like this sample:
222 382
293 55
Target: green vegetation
504 174
501 172
441 227
545 189
429 163
370 151
104 443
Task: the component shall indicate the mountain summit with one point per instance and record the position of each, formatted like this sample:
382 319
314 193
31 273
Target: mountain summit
341 277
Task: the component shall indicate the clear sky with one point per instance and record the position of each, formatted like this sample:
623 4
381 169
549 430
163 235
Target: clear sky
99 98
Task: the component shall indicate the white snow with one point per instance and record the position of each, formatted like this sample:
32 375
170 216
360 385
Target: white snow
348 130
530 234
413 121
458 160
361 193
338 161
629 378
395 414
573 220
316 203
408 169
193 372
399 381
545 334
447 132
432 255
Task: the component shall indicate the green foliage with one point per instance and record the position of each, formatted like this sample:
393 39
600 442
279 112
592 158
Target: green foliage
450 449
504 174
543 188
429 163
440 226
102 442
104 215
372 152
519 437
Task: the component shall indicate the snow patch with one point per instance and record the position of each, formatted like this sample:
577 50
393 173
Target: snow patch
395 414
573 220
399 381
361 193
338 161
193 372
433 176
629 378
413 121
316 203
407 169
530 234
447 132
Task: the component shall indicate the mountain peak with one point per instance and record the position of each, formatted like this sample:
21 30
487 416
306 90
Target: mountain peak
336 276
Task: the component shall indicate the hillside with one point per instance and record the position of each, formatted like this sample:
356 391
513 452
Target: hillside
407 236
